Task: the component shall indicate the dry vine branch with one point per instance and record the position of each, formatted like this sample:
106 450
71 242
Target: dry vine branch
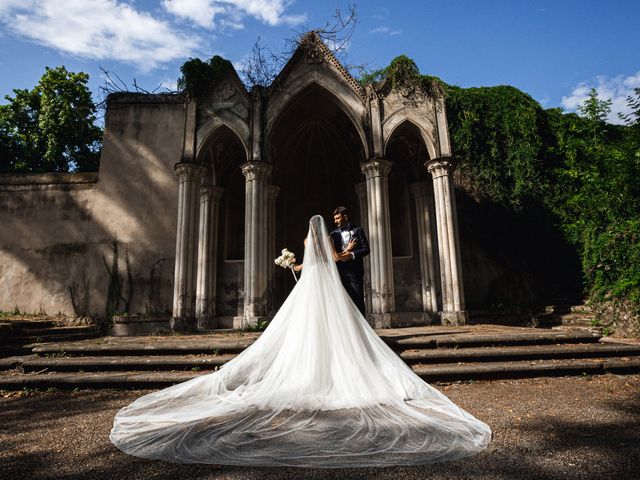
263 65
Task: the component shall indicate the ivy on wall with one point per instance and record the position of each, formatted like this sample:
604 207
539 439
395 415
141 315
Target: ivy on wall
578 171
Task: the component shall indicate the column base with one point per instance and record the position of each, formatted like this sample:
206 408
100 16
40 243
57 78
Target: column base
183 324
207 323
248 323
380 320
454 318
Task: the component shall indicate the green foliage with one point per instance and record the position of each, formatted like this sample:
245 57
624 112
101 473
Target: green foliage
50 128
498 136
611 260
578 172
198 77
403 73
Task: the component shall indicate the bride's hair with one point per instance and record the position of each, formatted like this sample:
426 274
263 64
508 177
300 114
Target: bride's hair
317 249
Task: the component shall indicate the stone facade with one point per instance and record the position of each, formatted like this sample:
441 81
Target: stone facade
194 200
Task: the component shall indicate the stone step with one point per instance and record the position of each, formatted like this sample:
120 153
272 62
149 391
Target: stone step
125 363
52 334
34 363
213 345
531 368
433 372
102 347
545 337
10 325
538 352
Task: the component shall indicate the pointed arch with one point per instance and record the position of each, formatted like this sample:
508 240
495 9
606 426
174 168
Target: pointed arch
233 155
400 117
208 129
335 88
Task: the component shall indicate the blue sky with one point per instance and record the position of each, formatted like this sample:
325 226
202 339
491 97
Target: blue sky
553 50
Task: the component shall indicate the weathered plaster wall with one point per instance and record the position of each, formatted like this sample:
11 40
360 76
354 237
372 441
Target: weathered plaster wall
59 232
45 222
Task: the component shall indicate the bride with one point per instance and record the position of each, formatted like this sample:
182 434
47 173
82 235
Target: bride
318 388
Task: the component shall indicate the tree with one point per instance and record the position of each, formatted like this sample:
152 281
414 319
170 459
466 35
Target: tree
50 128
596 112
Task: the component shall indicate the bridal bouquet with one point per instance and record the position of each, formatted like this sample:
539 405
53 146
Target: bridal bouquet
287 260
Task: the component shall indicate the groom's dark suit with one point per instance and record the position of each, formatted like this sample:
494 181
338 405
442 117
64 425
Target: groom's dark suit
352 271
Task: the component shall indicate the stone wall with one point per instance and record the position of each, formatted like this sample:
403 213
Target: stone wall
84 243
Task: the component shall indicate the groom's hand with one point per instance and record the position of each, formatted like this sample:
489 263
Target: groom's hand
344 256
352 244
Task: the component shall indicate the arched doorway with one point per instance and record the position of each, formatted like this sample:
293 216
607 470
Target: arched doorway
223 154
413 248
316 153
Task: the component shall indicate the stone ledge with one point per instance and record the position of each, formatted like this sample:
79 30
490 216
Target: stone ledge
48 181
437 372
124 98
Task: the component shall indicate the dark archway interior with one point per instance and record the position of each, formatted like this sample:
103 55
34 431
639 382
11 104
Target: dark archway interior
224 155
408 153
316 154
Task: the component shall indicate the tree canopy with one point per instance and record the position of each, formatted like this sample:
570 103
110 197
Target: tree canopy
50 128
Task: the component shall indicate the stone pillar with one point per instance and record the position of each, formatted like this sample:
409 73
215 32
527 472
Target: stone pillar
255 245
423 197
189 175
210 196
361 190
453 312
383 304
272 195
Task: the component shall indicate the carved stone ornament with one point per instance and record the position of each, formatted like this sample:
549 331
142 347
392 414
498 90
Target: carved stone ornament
313 56
224 92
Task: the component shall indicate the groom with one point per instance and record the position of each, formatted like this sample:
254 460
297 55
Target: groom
352 246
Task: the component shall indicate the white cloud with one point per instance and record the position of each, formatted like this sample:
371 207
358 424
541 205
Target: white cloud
387 30
201 12
616 89
98 29
231 12
380 13
170 84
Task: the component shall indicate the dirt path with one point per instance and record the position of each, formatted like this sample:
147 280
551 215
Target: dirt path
564 428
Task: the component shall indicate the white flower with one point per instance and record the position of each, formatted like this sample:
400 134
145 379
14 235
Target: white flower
286 260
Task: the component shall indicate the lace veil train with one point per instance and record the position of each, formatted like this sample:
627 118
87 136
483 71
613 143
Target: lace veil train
318 388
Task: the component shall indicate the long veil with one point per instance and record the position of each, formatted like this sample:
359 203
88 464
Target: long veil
318 388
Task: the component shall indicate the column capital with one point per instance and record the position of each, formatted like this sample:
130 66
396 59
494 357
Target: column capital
377 167
185 169
441 166
256 170
211 191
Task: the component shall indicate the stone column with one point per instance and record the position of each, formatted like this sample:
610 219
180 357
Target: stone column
453 312
189 175
383 304
210 196
272 195
361 190
423 197
256 240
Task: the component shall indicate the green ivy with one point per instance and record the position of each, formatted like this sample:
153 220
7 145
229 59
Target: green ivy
199 76
403 72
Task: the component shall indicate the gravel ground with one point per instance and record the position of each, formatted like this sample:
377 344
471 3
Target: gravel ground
547 428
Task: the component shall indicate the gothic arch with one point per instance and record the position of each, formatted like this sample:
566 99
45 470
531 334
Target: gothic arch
351 104
398 118
209 128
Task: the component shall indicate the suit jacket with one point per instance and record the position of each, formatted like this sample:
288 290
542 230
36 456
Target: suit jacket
355 267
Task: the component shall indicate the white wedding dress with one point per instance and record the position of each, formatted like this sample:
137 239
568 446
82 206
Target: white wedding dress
318 388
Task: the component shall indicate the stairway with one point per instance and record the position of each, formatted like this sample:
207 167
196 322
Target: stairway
437 354
17 334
